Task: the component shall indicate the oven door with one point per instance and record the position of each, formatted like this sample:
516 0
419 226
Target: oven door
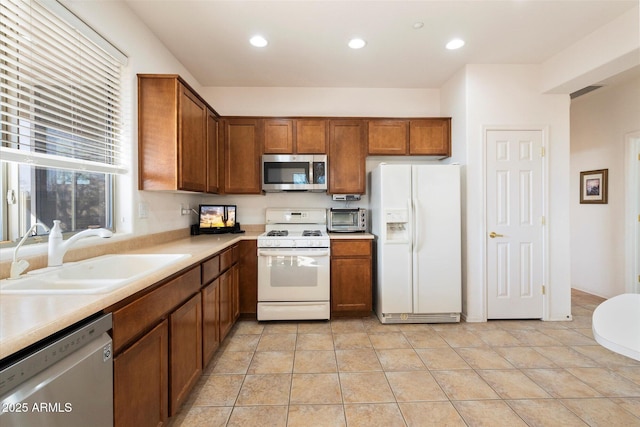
293 274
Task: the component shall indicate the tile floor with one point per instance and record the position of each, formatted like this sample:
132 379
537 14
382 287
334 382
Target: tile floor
358 372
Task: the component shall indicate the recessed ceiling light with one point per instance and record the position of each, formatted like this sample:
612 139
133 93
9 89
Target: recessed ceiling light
357 43
258 41
417 25
455 44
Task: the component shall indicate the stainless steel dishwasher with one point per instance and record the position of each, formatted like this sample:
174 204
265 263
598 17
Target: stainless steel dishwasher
65 380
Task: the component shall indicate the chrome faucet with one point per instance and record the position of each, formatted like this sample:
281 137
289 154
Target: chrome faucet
58 247
18 267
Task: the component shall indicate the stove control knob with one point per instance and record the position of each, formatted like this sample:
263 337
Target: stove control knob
293 243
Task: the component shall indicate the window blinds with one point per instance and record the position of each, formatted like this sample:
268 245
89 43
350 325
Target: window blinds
60 92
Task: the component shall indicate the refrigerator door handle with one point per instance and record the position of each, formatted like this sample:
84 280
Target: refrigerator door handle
416 221
410 225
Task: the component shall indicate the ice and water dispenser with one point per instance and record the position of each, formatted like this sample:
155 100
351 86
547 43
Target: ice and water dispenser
397 225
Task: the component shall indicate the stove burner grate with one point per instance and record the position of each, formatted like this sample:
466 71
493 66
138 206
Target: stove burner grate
277 233
313 233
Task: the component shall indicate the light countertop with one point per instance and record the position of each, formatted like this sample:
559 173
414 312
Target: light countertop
26 319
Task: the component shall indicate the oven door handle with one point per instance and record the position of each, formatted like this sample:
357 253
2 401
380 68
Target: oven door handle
280 252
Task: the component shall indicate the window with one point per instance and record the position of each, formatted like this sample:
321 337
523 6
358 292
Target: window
59 119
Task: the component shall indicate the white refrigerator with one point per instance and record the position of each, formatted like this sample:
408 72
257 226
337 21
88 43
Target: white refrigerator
415 216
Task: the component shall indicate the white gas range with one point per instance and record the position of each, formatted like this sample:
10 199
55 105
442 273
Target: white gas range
293 265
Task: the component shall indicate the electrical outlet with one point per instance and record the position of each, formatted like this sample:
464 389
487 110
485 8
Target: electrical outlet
143 210
185 211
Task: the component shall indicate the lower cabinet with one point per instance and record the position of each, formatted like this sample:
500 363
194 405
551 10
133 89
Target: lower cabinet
351 277
141 384
210 320
164 338
248 282
228 298
185 342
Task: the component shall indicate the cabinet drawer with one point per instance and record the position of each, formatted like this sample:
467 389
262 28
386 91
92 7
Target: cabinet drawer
133 319
228 258
210 269
346 248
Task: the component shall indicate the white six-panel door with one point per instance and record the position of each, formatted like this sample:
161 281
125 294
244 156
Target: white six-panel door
514 215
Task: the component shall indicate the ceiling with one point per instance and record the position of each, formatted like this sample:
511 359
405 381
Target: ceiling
308 39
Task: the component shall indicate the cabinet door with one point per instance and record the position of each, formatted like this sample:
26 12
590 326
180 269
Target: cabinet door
192 142
213 185
278 136
388 137
347 174
185 342
226 303
210 321
140 377
242 151
235 284
311 136
351 285
430 137
248 283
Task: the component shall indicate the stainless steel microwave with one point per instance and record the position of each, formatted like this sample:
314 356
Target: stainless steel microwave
346 220
291 172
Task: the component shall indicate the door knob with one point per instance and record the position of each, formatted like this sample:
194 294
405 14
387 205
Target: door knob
493 235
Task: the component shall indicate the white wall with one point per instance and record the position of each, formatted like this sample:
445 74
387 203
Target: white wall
599 122
508 96
454 102
146 54
611 49
116 22
332 102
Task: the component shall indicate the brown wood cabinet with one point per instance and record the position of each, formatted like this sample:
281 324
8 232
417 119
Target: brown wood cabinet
229 290
278 136
213 149
141 381
172 135
347 157
430 137
241 160
226 303
210 308
185 343
311 136
416 137
295 136
388 137
248 281
163 338
351 277
148 332
210 320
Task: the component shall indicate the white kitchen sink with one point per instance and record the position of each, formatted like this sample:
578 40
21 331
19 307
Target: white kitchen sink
92 276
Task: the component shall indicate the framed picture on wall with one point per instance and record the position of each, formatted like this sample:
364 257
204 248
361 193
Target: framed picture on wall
593 186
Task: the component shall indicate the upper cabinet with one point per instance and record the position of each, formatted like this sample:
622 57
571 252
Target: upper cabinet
295 136
416 137
184 145
311 136
388 137
430 137
347 157
173 135
240 163
278 136
213 150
